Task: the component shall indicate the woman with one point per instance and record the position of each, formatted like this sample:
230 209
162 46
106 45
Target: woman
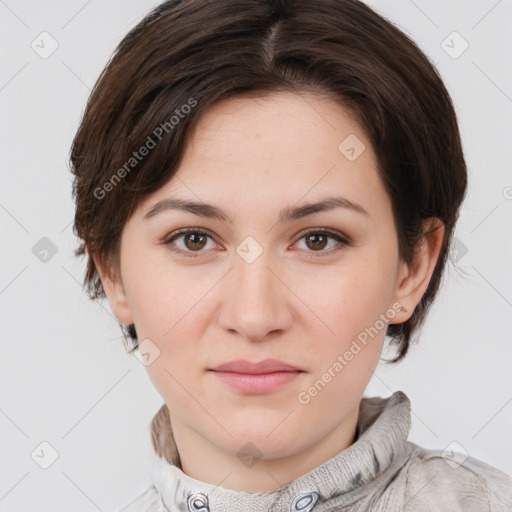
264 192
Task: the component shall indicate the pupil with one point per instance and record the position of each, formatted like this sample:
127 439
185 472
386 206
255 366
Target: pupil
194 240
317 244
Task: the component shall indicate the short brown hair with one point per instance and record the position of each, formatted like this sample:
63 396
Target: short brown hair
197 52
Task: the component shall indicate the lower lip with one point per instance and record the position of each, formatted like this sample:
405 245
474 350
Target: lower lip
256 383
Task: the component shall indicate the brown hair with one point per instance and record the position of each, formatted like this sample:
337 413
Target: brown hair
196 52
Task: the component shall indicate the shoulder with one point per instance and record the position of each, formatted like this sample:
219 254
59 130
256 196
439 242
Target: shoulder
148 501
455 482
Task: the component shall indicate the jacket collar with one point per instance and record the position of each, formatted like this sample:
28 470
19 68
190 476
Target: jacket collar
380 449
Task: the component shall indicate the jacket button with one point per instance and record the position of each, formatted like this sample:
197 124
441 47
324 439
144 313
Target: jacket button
304 502
198 502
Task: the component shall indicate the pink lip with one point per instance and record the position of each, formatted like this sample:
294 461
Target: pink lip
265 366
256 378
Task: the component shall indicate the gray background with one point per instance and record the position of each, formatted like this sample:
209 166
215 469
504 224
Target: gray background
65 378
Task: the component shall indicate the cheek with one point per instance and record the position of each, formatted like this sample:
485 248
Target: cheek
350 297
173 318
161 295
342 363
169 309
349 303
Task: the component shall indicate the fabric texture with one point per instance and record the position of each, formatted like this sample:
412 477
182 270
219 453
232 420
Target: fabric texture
380 472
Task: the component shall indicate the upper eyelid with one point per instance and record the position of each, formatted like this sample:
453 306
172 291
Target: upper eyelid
186 231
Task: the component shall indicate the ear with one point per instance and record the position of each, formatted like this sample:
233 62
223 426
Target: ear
413 278
115 292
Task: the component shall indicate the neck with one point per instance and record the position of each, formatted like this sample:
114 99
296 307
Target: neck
209 463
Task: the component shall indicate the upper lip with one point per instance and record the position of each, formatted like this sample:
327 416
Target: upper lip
250 367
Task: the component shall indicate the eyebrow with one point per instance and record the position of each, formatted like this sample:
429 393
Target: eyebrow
286 215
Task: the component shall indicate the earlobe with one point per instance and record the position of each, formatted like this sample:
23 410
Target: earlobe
413 278
116 294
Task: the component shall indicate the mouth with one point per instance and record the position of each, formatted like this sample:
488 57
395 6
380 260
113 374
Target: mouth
256 377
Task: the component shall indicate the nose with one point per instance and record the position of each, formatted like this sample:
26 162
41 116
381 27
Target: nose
256 301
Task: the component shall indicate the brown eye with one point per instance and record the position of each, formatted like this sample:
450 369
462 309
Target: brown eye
316 241
194 241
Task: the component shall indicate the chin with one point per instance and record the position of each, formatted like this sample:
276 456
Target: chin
258 442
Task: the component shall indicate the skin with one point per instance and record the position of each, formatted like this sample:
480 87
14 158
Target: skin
298 302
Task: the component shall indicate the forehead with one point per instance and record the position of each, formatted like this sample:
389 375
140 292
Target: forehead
280 149
280 121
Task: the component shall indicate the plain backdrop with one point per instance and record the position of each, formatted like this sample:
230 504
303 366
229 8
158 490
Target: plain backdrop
65 378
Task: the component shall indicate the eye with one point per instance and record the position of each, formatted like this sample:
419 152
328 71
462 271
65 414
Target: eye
317 240
195 240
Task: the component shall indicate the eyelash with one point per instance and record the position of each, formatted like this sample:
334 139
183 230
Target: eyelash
342 241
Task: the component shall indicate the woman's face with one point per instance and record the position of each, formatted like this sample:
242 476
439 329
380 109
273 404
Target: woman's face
258 277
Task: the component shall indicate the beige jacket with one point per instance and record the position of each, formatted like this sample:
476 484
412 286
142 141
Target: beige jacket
381 471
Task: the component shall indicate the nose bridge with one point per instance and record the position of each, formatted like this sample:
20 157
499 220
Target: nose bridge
254 280
257 303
